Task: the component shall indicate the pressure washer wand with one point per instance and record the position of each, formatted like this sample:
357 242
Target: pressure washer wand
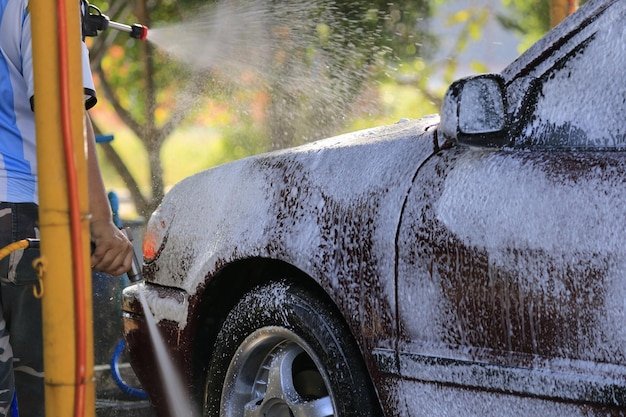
136 30
96 21
136 272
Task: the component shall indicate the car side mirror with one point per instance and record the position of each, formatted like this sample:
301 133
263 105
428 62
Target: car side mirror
474 111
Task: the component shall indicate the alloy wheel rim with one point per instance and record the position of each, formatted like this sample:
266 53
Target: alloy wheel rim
274 372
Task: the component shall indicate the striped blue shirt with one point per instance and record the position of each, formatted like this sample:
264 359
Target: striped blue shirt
18 164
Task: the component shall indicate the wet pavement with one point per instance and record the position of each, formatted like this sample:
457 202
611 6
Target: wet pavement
123 408
113 401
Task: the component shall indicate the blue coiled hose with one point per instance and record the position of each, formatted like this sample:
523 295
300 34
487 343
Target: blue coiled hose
115 372
14 408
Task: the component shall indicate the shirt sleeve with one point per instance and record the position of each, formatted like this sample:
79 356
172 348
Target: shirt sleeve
89 91
27 54
88 84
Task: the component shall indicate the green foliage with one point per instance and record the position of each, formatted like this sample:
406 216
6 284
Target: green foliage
530 18
403 25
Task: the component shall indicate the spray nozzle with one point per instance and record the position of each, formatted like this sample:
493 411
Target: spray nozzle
95 21
138 31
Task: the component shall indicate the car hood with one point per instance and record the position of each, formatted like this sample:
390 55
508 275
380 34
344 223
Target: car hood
289 205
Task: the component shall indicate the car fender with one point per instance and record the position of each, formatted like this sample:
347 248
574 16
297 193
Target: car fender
329 208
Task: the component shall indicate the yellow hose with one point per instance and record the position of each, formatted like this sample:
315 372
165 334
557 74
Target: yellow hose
25 244
12 247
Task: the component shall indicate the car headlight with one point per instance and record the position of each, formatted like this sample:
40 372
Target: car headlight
155 236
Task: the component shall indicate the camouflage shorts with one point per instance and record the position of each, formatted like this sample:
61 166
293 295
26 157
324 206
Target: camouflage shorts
21 344
18 221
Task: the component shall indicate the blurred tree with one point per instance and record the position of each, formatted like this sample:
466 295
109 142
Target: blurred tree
323 61
535 18
560 9
319 56
138 83
529 18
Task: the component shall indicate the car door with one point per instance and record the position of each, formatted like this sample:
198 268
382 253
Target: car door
512 251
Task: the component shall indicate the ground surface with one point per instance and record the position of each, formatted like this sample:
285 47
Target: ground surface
112 401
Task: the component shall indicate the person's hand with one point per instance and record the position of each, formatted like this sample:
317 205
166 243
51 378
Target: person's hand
113 253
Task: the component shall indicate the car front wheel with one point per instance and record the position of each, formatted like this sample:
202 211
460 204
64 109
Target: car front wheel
284 353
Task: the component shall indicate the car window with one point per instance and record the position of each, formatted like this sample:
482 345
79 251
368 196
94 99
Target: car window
580 102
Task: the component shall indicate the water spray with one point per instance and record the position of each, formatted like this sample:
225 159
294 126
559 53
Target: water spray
95 21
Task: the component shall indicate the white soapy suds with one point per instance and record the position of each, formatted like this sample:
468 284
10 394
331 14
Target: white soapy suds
496 201
538 239
167 308
588 93
231 211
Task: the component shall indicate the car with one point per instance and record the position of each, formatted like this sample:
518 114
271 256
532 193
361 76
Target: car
472 263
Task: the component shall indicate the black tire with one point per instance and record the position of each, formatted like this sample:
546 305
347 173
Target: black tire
283 353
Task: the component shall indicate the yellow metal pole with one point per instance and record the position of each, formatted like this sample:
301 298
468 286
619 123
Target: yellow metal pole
59 314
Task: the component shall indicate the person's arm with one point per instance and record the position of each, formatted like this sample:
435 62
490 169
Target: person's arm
113 251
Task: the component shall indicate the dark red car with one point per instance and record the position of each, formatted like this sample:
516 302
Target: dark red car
472 264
